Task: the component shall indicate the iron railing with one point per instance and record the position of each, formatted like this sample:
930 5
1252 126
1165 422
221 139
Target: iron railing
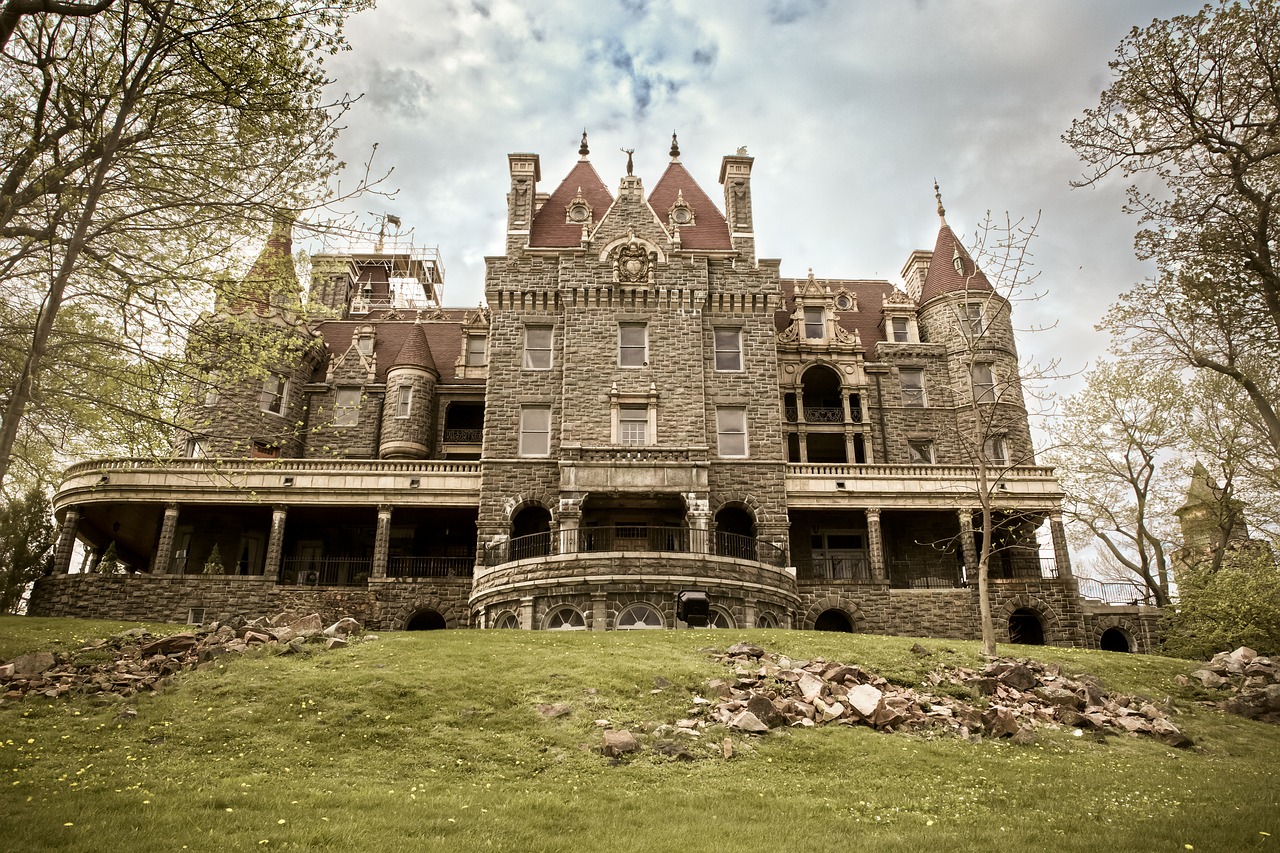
1117 592
463 436
851 568
643 538
430 567
325 571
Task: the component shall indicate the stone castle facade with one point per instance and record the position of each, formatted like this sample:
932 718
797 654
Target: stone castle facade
642 409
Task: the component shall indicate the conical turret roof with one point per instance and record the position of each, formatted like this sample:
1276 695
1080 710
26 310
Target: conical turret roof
952 270
416 352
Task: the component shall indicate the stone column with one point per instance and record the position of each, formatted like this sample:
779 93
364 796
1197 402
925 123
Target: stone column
570 516
275 543
382 543
968 545
748 615
599 613
1061 555
526 614
875 546
698 514
164 550
66 541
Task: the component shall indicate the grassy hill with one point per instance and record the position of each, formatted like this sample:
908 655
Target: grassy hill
433 742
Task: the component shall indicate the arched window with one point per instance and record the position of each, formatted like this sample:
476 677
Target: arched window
640 617
719 618
507 619
766 620
565 618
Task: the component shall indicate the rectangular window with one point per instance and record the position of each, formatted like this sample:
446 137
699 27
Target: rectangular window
475 351
728 349
275 394
537 347
196 448
347 407
404 400
731 431
633 424
211 389
973 317
995 450
365 344
984 383
633 345
900 330
535 430
912 379
815 326
919 451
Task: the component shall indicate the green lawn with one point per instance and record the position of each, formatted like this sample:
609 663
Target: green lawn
433 742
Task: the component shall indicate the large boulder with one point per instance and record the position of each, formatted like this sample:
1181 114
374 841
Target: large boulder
32 664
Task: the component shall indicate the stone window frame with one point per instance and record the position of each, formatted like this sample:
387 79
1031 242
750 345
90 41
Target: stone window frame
995 449
813 317
736 351
211 395
274 398
364 341
633 402
564 617
196 447
640 616
973 317
633 424
984 391
535 355
404 400
346 414
528 429
720 618
725 430
627 351
921 451
914 396
507 620
473 357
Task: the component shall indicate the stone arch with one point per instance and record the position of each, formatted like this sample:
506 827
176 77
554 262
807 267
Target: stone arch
429 603
609 247
521 502
845 605
1049 619
741 501
1108 629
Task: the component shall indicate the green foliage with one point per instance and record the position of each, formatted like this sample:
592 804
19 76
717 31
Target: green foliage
214 565
1238 605
27 537
109 563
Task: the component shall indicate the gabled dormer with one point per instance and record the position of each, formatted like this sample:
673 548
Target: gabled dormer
899 322
473 355
814 320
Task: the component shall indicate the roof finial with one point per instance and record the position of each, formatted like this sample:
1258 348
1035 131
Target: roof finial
583 150
630 165
675 147
937 193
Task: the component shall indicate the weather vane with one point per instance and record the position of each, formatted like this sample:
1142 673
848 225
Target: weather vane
630 165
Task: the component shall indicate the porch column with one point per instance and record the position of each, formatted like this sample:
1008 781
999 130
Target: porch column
699 516
968 545
1061 555
875 546
570 515
275 543
66 541
381 543
599 612
748 615
164 550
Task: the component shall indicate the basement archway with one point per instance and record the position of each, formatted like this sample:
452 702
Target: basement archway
833 620
1114 640
1025 627
425 620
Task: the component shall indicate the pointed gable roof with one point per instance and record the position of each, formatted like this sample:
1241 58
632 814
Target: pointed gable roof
709 230
416 352
549 228
944 277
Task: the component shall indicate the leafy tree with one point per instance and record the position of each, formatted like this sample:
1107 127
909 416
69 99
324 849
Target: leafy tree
140 147
214 565
26 545
1236 605
110 563
1193 112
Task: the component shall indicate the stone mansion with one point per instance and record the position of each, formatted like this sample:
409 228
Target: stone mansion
643 409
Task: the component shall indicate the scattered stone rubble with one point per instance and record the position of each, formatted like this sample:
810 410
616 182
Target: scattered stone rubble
137 661
1253 681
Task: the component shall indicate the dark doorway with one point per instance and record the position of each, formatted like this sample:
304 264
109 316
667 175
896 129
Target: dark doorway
1114 640
834 620
425 620
530 533
1025 628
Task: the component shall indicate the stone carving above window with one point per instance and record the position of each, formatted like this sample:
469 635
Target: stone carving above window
680 214
633 261
578 210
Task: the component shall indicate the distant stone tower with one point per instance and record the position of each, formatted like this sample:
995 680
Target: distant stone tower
1204 517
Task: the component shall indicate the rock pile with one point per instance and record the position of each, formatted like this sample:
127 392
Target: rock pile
770 691
1253 681
137 661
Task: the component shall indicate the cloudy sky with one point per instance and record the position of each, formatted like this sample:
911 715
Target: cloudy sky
851 110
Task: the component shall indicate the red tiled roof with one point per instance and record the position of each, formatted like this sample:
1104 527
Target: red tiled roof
416 352
710 229
866 321
943 277
549 228
443 337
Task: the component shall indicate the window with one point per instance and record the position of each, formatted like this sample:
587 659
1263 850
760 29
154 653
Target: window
995 450
262 450
211 389
475 351
900 332
920 451
639 617
275 394
984 383
718 618
565 618
535 430
633 345
633 424
507 621
973 317
912 379
347 407
404 400
731 431
537 347
196 448
815 326
364 342
728 349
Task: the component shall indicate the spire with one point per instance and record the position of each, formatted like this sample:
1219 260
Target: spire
675 148
583 150
272 280
937 193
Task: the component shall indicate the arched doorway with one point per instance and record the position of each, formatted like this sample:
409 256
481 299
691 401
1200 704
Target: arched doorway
821 403
1025 627
425 620
530 533
833 620
735 533
1114 640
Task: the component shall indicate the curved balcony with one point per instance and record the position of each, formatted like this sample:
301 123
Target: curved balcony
631 539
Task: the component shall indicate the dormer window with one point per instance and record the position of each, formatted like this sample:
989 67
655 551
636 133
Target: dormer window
578 211
901 330
364 341
846 302
680 213
815 323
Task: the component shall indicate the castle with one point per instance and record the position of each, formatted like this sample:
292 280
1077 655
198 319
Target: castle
644 417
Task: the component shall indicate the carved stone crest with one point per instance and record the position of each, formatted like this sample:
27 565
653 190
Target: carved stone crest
633 263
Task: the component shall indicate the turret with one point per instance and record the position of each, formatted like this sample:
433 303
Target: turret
409 406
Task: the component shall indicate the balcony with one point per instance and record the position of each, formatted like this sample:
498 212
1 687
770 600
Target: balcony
638 538
823 486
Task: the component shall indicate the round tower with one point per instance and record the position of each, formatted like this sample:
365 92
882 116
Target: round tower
409 405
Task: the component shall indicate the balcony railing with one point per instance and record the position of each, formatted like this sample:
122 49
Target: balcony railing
820 415
851 568
679 540
1118 592
430 567
463 436
325 571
